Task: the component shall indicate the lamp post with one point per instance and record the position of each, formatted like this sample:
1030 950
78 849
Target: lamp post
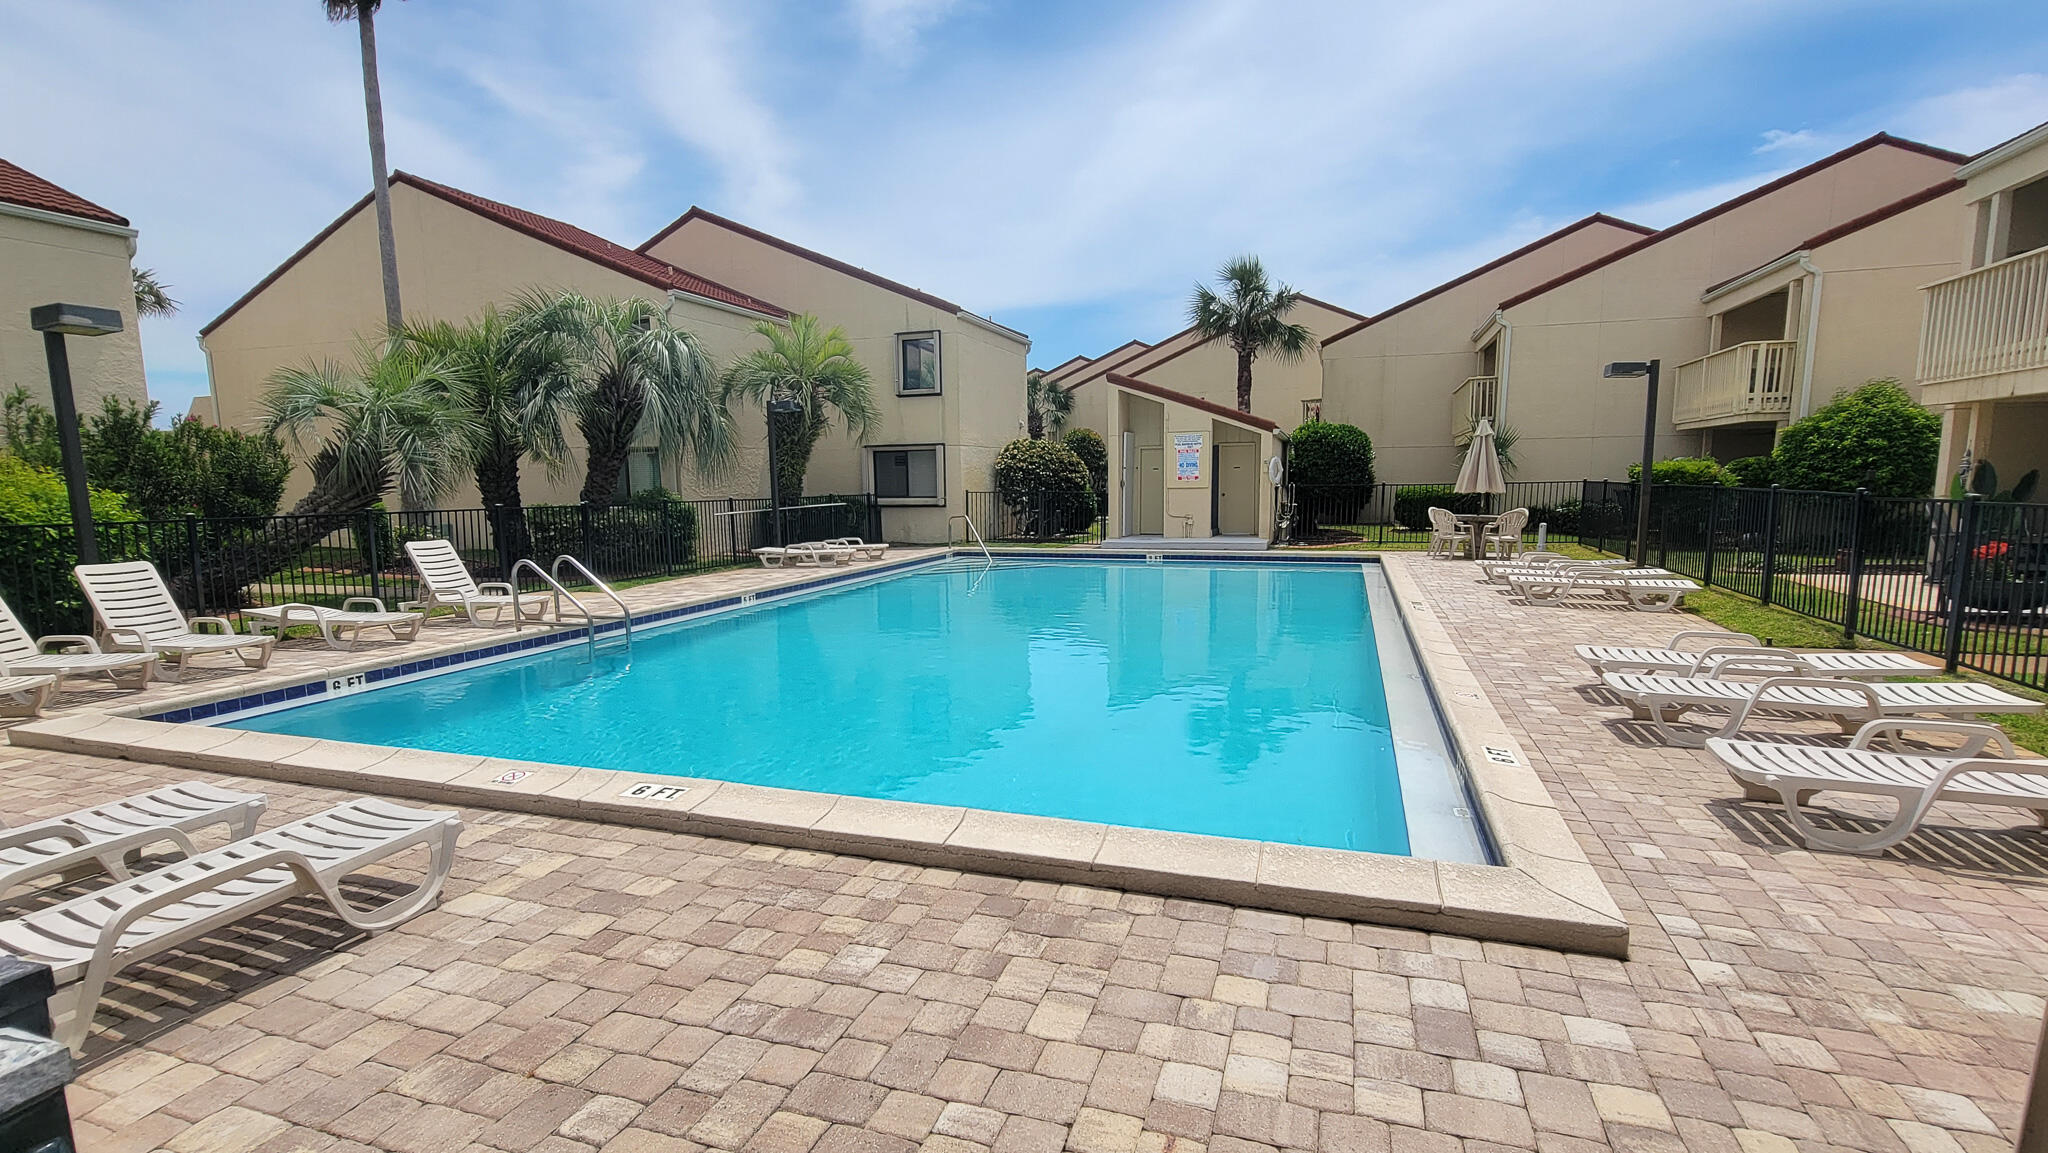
1629 368
55 322
779 406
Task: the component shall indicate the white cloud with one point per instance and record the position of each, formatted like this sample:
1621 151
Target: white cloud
890 30
1975 118
691 71
1779 140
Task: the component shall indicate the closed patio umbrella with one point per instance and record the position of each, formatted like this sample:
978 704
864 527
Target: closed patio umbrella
1481 471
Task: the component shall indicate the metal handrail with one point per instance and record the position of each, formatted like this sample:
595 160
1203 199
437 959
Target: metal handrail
589 621
625 614
969 521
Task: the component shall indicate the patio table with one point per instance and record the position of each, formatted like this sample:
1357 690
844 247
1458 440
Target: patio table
1477 523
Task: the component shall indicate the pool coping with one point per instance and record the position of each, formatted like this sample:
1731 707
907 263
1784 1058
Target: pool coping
1545 892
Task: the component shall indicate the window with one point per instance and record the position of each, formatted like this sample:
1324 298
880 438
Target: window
910 475
641 472
917 363
1311 410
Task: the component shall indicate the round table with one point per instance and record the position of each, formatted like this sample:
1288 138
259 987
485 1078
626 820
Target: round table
1477 523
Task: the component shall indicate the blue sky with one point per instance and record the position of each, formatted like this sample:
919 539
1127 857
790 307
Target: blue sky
1071 168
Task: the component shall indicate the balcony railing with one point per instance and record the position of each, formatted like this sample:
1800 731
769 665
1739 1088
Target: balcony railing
1478 397
1990 320
1743 382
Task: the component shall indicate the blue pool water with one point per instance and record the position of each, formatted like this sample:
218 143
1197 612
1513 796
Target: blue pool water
1240 700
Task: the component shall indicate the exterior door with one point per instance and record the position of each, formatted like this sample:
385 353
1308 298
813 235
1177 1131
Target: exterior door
1237 493
1152 491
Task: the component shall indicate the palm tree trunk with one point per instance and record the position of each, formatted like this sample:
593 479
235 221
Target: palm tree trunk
1244 380
497 481
608 422
380 181
1034 422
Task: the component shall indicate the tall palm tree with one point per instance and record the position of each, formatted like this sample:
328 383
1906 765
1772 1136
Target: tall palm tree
1251 314
399 415
363 12
636 377
518 386
152 296
1046 406
814 366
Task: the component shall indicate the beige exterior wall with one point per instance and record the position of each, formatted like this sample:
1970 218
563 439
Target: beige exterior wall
980 405
1394 378
1093 395
1188 508
50 259
1647 305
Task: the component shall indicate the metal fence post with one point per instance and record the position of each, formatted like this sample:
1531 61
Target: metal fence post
1959 582
1770 546
198 605
1852 608
1664 537
1713 530
368 527
583 531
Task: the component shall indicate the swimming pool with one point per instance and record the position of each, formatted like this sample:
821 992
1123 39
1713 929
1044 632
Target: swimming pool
1237 699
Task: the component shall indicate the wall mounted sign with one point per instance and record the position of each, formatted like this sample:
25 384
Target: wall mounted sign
1187 456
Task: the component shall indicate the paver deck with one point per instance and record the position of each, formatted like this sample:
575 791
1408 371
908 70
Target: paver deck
594 987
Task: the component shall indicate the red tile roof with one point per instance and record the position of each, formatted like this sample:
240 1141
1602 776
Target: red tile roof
20 186
1213 409
798 250
1825 162
548 230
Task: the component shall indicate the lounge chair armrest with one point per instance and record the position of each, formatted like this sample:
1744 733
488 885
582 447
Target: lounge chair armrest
376 604
131 637
225 627
134 840
1857 687
40 831
89 644
506 588
1708 660
1980 734
111 931
1723 640
1789 666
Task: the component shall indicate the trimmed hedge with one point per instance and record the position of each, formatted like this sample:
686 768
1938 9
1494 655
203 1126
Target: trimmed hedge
1412 503
1324 453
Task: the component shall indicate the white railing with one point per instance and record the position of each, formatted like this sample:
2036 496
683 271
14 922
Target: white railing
1990 320
1478 397
1743 382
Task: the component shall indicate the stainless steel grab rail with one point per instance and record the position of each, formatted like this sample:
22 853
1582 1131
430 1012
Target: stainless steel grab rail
969 521
625 614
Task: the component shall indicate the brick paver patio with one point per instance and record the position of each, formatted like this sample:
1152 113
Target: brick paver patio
594 987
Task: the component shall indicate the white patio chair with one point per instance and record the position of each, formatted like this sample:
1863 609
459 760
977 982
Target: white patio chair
445 581
1646 593
1793 774
23 655
1508 574
870 551
341 628
817 552
1548 560
102 836
1722 647
1504 537
1664 699
1445 537
137 614
88 939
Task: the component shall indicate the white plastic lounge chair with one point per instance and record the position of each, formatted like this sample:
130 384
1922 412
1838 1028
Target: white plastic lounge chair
870 551
771 556
26 696
1722 647
104 835
817 552
341 628
1504 537
1663 699
23 655
445 580
1446 537
88 939
1547 560
1501 576
1791 774
137 614
1647 594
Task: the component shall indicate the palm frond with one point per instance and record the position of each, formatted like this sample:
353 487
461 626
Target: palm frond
152 296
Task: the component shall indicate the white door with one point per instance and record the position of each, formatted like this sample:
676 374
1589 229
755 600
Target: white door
1237 495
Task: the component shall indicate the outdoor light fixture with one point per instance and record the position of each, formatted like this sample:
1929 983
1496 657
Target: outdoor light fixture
777 406
1631 368
55 322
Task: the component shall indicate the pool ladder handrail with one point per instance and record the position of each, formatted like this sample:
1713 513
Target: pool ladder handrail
975 532
561 594
582 570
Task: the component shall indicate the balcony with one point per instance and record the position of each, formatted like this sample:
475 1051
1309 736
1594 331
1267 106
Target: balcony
1986 324
1478 396
1740 384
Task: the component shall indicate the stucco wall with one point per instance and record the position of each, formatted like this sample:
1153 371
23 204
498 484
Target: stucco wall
1188 503
1209 370
44 262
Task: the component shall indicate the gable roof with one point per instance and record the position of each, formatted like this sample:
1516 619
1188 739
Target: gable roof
20 186
1489 266
1933 191
1105 364
1135 385
798 250
1726 206
1067 365
545 229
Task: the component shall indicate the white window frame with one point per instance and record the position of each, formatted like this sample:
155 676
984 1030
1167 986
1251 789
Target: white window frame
938 363
939 468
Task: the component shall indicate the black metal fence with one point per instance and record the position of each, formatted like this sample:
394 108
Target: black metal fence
1398 514
1037 517
217 566
1965 580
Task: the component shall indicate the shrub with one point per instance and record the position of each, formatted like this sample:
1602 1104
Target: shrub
32 495
1692 470
1094 455
1874 437
391 534
1751 471
1326 453
190 467
1412 503
654 531
1025 468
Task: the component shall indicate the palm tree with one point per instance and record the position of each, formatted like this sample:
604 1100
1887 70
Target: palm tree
518 386
1046 406
1251 314
152 296
636 376
815 367
399 415
363 12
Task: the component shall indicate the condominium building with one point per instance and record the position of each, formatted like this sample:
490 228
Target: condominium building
59 248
